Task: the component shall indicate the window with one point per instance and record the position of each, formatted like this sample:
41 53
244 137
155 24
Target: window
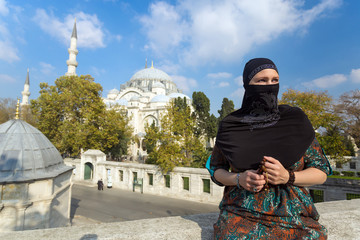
352 165
135 176
186 183
317 195
338 165
121 175
350 196
206 185
151 179
167 181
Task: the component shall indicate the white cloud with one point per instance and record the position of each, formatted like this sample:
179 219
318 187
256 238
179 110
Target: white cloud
183 83
90 31
224 84
6 79
203 31
219 75
239 80
46 68
328 81
355 75
8 52
96 72
4 10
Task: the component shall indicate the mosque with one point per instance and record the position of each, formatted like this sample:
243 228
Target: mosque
144 97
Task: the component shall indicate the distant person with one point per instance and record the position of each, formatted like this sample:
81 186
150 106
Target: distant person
100 185
265 155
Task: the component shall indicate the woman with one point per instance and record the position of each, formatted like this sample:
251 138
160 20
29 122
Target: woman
270 203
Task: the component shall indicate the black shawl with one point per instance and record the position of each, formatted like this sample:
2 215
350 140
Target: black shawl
262 128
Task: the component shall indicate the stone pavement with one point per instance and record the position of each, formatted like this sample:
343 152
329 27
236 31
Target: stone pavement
342 219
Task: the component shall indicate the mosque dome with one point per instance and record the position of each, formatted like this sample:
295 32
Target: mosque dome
26 154
160 98
114 91
150 74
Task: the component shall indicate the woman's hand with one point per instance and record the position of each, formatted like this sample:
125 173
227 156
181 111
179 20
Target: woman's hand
277 174
251 180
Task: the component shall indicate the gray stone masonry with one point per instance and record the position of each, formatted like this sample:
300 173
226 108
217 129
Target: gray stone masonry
342 219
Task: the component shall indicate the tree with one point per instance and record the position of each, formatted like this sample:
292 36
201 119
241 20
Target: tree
175 143
226 108
73 116
207 124
349 108
319 108
7 109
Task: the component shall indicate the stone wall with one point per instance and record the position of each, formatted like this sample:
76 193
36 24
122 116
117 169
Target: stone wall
35 204
341 218
121 175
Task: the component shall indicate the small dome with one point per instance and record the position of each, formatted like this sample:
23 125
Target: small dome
114 91
176 95
26 154
160 98
135 98
158 85
150 74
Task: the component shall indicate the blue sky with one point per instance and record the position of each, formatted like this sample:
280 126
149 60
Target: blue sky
202 45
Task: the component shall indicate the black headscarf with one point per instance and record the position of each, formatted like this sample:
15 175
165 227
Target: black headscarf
261 127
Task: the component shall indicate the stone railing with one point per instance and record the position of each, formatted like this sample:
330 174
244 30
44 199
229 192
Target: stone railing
341 218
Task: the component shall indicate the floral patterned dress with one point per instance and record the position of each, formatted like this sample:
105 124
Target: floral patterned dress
282 212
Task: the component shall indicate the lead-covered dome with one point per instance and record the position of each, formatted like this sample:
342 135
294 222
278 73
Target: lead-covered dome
150 74
26 154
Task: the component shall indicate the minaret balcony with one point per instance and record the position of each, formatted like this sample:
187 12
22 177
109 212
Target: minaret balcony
73 51
71 62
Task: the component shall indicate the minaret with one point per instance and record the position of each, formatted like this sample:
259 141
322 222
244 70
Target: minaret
72 63
26 92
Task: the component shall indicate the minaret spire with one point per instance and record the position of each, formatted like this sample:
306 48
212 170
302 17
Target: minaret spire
72 63
146 63
26 92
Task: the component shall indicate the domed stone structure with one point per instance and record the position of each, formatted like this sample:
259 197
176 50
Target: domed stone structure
145 97
35 184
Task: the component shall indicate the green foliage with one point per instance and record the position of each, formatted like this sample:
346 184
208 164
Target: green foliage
73 116
336 173
348 173
349 108
227 107
316 105
207 124
175 144
7 109
333 141
358 174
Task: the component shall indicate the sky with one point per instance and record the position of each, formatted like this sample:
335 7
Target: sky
202 45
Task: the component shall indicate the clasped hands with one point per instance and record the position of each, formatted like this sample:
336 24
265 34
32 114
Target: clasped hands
252 181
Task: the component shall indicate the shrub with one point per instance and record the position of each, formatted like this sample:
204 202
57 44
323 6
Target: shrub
336 173
348 173
358 174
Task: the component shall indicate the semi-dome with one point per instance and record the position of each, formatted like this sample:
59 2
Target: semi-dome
150 74
122 101
160 98
135 98
26 154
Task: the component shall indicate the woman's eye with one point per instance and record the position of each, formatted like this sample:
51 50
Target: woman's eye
275 80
